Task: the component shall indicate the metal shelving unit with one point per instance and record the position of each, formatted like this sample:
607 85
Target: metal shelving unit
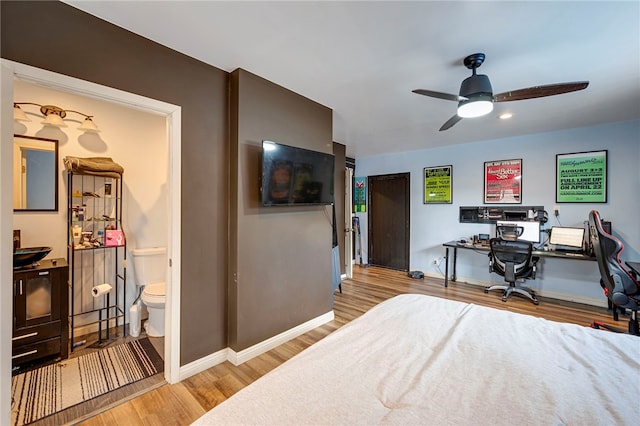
98 256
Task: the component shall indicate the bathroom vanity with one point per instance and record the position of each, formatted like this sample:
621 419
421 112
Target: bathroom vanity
40 311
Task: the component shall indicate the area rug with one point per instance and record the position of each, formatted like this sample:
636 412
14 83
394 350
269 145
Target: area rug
39 393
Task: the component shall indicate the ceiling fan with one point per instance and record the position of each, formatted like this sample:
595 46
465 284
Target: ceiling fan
476 95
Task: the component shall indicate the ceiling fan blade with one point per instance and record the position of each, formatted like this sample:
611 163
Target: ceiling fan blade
450 122
540 91
440 95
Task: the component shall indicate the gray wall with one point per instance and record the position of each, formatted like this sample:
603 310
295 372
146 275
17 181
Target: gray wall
431 225
280 257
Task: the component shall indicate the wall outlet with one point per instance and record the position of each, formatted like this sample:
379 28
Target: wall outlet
556 211
436 261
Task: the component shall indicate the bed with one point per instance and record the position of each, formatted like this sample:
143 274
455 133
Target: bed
416 359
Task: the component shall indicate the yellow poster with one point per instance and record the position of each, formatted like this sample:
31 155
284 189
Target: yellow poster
437 185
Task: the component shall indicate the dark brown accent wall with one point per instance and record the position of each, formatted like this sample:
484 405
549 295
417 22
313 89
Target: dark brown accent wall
60 38
280 261
248 272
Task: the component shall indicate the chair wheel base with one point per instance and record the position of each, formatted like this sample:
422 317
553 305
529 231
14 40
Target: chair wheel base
509 290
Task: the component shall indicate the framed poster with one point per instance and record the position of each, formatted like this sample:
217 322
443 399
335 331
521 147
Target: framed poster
581 177
503 182
438 185
360 194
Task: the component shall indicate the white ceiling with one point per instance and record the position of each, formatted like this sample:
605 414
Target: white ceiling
363 58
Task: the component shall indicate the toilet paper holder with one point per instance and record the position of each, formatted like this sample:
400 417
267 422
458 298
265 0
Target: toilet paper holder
104 291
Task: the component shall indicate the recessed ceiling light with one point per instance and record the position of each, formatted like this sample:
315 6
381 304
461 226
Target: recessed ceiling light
505 116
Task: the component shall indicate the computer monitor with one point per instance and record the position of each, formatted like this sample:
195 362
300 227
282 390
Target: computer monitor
530 229
564 236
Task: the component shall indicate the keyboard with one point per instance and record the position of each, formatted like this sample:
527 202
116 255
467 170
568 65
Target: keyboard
569 251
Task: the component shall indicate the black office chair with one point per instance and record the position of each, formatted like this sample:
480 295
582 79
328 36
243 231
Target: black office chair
620 286
514 261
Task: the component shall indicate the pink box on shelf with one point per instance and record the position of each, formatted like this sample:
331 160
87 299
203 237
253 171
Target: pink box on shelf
114 237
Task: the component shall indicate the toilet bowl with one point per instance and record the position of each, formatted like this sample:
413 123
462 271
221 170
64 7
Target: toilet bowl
150 266
153 296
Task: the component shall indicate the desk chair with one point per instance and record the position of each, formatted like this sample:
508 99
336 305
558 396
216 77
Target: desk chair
514 261
620 286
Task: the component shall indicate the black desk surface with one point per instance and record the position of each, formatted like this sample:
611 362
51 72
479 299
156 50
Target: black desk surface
540 253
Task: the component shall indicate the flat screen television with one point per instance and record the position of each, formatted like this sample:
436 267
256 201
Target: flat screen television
295 176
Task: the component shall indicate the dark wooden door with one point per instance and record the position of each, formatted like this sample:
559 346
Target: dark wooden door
388 218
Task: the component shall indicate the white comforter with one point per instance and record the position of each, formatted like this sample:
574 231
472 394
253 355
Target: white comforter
417 359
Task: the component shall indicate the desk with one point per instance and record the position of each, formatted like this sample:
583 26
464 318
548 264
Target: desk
485 249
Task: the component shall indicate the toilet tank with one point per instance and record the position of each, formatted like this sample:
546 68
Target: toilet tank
149 265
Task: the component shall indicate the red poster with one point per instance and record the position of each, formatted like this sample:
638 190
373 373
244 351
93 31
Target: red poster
503 182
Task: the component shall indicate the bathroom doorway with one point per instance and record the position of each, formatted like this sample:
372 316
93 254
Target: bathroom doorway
19 73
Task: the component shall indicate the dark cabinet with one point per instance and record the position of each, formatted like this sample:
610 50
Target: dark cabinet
40 311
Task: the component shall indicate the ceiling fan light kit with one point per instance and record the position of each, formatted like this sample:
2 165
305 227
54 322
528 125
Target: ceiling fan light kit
476 96
476 107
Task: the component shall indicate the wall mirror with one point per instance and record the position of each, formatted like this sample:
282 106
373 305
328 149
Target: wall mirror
35 174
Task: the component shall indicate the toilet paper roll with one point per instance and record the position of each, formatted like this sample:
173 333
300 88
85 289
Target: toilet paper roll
101 289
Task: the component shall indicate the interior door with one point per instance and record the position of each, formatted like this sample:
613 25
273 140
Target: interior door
389 221
348 222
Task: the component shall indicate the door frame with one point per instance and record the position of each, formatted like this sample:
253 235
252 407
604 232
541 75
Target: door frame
14 70
407 205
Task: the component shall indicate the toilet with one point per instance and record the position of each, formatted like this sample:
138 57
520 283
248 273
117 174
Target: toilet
150 267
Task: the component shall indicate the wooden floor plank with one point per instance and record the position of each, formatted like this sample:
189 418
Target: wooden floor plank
182 403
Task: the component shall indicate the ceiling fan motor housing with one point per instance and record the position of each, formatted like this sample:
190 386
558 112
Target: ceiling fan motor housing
477 89
478 84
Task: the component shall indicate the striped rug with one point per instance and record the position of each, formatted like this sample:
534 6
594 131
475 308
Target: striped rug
38 393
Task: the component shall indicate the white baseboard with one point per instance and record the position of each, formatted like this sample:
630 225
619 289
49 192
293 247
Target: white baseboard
599 302
237 358
202 364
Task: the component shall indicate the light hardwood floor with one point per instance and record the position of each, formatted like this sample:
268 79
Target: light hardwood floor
184 402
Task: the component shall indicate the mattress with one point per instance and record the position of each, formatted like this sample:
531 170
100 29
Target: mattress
416 359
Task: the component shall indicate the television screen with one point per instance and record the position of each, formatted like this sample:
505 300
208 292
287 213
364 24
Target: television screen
295 176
